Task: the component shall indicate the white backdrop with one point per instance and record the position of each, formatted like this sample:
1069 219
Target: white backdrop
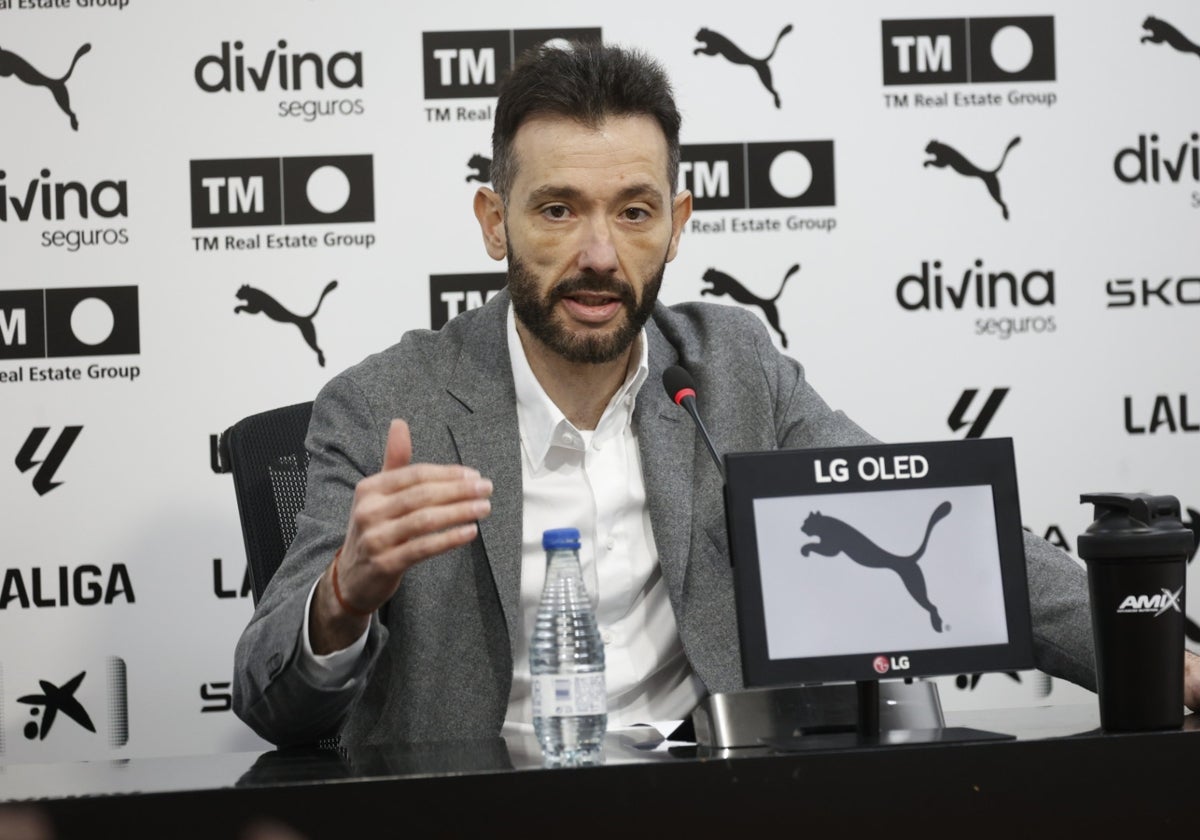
127 510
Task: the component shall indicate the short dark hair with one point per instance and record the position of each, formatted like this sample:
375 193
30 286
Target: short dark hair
587 82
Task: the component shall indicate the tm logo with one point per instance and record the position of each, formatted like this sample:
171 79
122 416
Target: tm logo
957 419
43 479
471 63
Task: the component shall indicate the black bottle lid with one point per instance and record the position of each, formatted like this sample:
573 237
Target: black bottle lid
1134 525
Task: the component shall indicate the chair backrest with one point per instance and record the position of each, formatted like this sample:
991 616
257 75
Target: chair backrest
265 452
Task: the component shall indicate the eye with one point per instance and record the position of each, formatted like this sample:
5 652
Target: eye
635 214
556 211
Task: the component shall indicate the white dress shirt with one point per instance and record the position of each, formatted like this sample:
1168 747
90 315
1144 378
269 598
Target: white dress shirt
590 480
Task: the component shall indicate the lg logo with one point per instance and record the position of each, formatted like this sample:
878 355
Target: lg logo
461 65
240 192
958 50
736 176
883 664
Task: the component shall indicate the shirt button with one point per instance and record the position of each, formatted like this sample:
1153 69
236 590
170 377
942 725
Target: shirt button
606 636
597 445
610 544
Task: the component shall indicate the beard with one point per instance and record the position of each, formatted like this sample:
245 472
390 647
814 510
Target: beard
539 315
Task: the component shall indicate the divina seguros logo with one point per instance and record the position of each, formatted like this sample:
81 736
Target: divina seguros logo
237 67
44 199
957 51
981 288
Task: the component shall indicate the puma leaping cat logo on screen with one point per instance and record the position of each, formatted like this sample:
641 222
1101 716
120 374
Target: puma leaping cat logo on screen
257 301
1162 32
12 64
944 155
723 284
717 44
836 537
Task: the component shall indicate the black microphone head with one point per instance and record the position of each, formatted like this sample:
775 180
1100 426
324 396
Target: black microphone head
677 380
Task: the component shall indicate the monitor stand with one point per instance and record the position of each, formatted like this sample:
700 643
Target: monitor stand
867 732
832 716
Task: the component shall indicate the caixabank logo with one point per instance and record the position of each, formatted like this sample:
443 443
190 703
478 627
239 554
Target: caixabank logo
66 210
271 192
969 51
54 710
470 65
453 294
304 83
1002 297
66 323
759 176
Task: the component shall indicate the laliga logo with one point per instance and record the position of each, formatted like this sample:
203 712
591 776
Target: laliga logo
1157 604
882 664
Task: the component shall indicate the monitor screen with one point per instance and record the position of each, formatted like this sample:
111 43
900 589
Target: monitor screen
876 562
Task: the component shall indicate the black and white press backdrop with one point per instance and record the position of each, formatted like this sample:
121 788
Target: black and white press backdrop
965 219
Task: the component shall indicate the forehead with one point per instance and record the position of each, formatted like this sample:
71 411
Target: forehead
549 148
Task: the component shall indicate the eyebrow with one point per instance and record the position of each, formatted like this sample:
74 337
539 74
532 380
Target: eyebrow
551 192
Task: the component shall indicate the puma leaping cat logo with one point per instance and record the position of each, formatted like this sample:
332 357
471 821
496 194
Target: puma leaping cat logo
836 537
1162 32
717 44
257 301
944 156
12 64
483 169
723 284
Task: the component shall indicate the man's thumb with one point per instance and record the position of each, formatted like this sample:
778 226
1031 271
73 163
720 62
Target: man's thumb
399 446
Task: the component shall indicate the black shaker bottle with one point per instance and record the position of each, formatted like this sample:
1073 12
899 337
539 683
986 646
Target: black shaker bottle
1136 552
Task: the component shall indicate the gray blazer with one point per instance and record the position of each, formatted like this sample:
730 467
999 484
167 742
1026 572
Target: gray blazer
439 658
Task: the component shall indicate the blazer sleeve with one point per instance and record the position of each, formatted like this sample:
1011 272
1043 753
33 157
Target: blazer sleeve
270 692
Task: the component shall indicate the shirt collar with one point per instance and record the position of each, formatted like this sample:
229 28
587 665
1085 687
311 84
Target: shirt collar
542 423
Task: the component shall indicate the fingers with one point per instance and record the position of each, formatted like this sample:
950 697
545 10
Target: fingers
398 452
383 524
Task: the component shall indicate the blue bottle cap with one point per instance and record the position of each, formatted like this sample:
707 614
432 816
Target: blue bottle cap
560 538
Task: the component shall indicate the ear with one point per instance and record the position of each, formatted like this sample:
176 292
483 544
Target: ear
681 211
489 210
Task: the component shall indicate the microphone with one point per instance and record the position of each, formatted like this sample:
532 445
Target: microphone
682 391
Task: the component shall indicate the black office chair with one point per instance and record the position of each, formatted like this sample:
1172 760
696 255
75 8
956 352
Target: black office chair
265 452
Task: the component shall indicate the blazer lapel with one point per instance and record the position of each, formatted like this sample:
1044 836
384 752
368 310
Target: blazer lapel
667 441
487 439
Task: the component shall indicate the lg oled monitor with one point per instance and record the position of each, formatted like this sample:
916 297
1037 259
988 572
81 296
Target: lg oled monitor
874 562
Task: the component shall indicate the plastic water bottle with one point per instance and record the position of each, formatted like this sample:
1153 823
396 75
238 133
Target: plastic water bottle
566 659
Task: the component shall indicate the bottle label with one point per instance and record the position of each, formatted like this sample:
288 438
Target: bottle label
569 695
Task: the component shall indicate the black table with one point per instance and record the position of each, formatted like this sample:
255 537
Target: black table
1060 774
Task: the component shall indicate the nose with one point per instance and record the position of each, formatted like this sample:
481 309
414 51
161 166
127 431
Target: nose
597 252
